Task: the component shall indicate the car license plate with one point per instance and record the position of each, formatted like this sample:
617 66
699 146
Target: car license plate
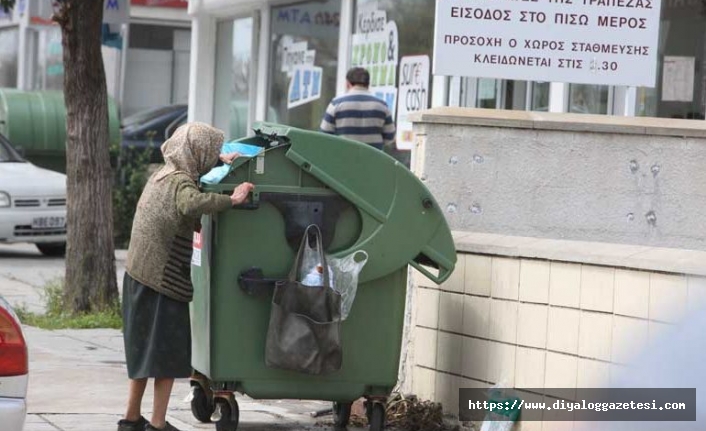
48 222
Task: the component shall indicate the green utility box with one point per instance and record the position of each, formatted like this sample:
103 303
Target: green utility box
361 199
35 122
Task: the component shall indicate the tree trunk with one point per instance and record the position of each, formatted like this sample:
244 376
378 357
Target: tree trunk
90 282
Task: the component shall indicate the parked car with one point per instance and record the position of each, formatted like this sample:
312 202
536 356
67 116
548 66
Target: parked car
32 203
13 370
151 128
156 125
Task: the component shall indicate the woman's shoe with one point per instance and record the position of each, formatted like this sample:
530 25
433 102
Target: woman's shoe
138 425
167 427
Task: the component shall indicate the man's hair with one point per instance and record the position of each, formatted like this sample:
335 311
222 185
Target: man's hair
358 76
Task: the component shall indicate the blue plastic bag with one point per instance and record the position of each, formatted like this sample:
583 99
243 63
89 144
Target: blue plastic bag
217 174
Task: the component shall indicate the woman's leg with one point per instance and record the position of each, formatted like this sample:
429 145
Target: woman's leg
162 392
134 402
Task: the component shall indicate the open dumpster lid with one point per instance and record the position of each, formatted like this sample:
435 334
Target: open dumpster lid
401 221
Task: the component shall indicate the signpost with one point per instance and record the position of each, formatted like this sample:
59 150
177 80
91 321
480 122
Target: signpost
605 42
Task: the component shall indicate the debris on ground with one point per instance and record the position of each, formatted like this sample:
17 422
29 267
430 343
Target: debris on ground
406 413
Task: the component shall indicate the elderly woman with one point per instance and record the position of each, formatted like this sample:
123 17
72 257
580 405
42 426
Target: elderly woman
157 286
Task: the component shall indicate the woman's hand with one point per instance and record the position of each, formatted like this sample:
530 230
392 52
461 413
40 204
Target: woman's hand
228 158
240 193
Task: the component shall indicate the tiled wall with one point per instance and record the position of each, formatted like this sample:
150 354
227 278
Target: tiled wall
538 323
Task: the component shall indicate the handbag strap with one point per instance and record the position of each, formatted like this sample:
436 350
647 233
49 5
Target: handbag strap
319 249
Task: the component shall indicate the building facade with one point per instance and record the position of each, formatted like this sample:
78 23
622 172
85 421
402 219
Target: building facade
249 53
146 47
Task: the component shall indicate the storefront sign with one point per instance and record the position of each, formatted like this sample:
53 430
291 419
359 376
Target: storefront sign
315 19
413 96
41 12
116 12
605 42
376 48
305 86
178 4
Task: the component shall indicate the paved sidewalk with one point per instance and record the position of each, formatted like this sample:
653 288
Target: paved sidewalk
78 380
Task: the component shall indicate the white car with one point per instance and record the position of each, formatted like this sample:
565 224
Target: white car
13 370
32 203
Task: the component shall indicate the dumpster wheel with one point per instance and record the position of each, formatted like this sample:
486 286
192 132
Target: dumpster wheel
376 416
341 414
227 413
202 406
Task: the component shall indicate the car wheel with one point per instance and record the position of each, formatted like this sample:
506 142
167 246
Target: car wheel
52 249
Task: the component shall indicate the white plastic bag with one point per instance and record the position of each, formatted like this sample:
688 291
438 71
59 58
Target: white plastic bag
344 277
311 268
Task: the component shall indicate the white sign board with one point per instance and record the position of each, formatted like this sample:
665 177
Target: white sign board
305 86
606 42
413 96
116 11
297 54
376 48
678 79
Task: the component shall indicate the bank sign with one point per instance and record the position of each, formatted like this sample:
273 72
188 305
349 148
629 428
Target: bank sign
605 42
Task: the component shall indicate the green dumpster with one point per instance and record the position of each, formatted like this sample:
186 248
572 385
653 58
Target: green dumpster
35 121
361 199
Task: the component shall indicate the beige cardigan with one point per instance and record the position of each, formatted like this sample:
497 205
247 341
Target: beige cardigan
159 255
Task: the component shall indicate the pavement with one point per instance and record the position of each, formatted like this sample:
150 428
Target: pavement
78 379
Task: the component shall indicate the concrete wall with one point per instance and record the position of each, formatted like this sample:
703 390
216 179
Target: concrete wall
581 243
537 322
590 178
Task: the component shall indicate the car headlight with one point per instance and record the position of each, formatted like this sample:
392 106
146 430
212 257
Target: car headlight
4 200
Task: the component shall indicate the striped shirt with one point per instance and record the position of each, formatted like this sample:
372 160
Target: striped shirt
360 116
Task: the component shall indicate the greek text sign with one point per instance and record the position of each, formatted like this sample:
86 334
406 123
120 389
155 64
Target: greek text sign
413 96
609 42
295 55
376 48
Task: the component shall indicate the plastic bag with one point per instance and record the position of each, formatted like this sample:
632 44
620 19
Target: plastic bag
217 174
311 269
344 277
501 419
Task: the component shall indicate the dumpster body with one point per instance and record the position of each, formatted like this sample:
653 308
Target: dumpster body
361 199
35 121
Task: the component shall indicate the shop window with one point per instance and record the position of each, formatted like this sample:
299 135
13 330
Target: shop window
588 99
488 93
415 37
680 87
50 59
540 96
491 93
232 97
304 62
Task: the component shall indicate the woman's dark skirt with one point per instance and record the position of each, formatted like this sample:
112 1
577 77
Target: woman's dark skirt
157 333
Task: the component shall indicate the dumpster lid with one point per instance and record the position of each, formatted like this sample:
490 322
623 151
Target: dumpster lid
401 221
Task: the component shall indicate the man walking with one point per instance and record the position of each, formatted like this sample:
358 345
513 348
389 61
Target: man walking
358 115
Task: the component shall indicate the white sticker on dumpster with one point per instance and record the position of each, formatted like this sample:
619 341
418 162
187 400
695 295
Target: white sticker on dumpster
196 255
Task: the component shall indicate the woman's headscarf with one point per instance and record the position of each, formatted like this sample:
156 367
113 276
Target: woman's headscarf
193 150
